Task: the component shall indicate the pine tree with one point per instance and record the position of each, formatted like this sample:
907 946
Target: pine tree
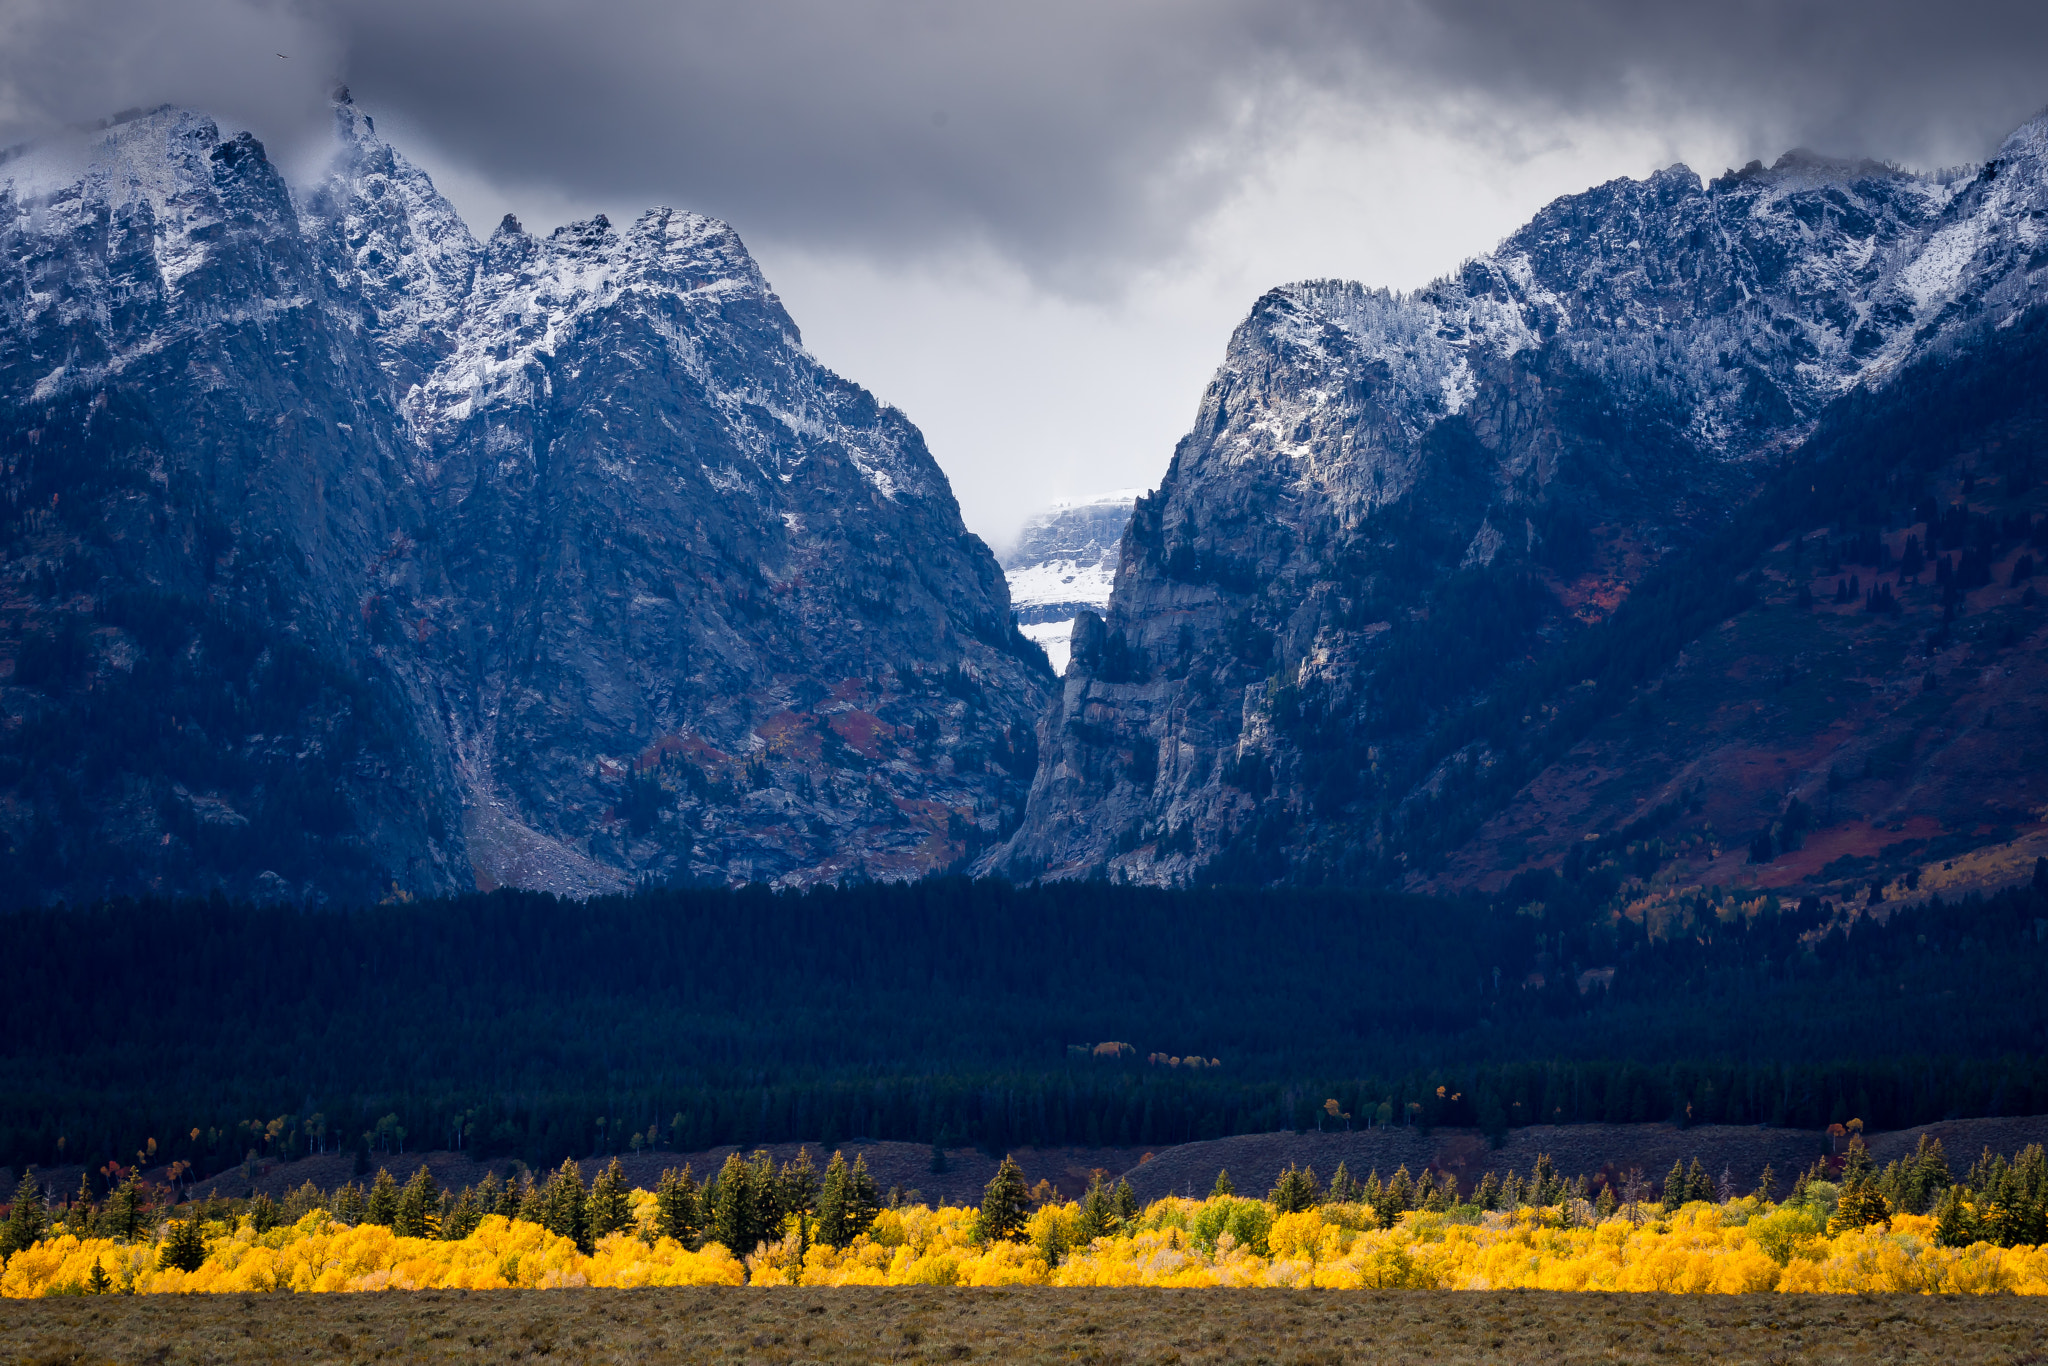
734 1210
1546 1187
30 1218
1927 1177
461 1219
1698 1185
78 1217
98 1282
561 1204
1511 1191
677 1213
610 1207
863 1199
123 1215
382 1206
768 1209
1341 1184
264 1215
797 1185
1955 1222
1856 1164
346 1204
533 1206
1127 1203
183 1247
1223 1184
1767 1183
832 1230
418 1211
1005 1205
1373 1192
1488 1194
1860 1205
1607 1204
1674 1188
1097 1214
1294 1192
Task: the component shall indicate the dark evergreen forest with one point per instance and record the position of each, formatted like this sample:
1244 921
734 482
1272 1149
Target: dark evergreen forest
517 1024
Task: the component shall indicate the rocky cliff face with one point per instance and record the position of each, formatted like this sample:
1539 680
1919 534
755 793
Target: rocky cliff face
1391 505
347 555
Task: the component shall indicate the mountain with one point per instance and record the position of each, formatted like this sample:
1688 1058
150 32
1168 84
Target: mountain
1064 562
1420 549
350 557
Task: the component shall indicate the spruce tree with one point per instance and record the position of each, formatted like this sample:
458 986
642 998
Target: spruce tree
561 1203
183 1247
418 1212
533 1206
863 1199
797 1185
1856 1164
78 1218
832 1227
1607 1204
346 1204
1097 1214
1955 1224
1342 1186
29 1219
610 1207
98 1282
1127 1204
677 1213
382 1206
734 1215
125 1210
1223 1184
1374 1192
461 1219
768 1209
1488 1194
1294 1192
1546 1187
1674 1188
1928 1177
1005 1205
1698 1185
1767 1183
264 1215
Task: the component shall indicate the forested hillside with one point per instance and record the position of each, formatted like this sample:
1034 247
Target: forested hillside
516 1024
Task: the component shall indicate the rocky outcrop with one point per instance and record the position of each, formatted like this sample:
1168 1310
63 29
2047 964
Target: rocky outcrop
348 556
1389 504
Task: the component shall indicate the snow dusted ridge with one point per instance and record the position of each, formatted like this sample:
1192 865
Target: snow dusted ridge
633 586
1606 384
1746 303
1065 560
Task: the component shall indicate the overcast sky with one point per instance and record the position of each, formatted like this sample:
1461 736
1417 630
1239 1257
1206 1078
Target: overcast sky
1032 226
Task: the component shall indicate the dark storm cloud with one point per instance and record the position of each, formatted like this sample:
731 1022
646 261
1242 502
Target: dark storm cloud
1069 136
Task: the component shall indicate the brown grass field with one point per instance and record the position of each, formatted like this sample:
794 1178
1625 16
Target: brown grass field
1017 1325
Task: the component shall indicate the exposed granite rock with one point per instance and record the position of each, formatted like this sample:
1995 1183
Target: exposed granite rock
349 557
1389 502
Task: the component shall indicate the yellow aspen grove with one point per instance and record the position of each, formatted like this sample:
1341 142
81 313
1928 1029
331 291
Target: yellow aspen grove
1740 1246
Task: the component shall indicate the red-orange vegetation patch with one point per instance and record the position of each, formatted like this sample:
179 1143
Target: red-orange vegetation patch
791 735
690 746
1860 838
863 731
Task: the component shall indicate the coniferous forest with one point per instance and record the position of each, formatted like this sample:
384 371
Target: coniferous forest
518 1025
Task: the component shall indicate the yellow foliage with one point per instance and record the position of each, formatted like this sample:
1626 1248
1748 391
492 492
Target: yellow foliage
1743 1247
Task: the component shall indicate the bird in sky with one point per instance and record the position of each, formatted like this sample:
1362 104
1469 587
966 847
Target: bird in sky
282 57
